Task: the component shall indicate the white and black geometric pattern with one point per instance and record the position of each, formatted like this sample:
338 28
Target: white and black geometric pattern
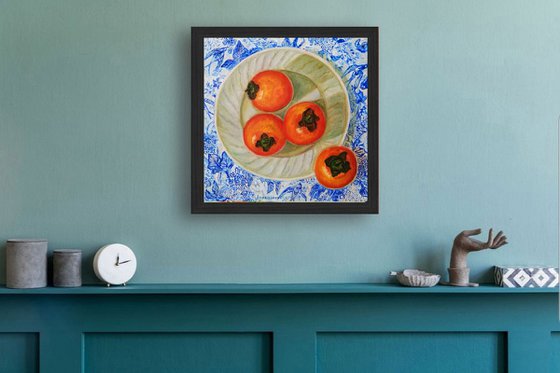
526 277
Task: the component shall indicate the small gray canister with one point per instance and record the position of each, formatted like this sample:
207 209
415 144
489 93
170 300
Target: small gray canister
67 268
26 264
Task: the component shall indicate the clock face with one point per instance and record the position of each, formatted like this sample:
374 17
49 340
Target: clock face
114 264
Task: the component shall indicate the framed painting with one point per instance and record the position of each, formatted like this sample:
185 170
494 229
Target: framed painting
284 120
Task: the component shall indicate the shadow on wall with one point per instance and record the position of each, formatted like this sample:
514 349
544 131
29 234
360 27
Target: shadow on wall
88 276
3 261
184 120
431 258
485 276
435 259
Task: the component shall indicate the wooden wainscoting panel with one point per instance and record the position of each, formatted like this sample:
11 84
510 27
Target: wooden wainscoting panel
555 352
178 352
19 352
411 352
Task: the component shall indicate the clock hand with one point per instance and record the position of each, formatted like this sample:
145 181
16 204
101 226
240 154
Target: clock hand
126 261
117 263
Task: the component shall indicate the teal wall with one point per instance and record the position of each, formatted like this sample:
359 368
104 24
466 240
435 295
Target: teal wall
94 137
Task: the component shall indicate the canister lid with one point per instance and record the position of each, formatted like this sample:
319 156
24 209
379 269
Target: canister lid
26 240
67 251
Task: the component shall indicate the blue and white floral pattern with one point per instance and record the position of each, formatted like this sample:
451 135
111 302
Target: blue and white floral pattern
225 181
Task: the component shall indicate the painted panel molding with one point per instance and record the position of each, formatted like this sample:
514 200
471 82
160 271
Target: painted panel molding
411 352
19 352
555 352
175 352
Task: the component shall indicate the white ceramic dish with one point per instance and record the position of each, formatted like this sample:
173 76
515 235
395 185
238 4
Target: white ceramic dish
314 80
416 278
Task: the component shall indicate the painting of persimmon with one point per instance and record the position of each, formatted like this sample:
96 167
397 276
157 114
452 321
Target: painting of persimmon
286 120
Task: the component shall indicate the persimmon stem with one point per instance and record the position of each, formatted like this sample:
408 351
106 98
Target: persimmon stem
265 142
309 120
252 89
338 164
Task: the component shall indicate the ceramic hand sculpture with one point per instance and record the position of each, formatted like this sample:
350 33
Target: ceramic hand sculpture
462 246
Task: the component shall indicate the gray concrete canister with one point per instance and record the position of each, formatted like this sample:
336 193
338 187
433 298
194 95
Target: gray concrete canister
26 264
67 268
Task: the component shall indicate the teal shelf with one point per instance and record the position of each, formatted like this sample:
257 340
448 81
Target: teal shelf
280 328
273 289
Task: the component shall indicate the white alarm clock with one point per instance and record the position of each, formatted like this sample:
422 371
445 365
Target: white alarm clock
114 264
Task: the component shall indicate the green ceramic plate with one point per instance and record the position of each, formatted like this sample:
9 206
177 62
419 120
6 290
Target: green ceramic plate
313 79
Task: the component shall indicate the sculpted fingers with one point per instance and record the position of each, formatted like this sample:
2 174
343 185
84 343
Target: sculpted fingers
490 239
498 237
499 243
471 232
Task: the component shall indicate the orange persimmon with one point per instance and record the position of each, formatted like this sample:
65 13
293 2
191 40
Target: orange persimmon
263 134
304 123
270 90
336 167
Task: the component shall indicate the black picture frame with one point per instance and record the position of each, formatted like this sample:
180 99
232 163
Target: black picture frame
198 204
